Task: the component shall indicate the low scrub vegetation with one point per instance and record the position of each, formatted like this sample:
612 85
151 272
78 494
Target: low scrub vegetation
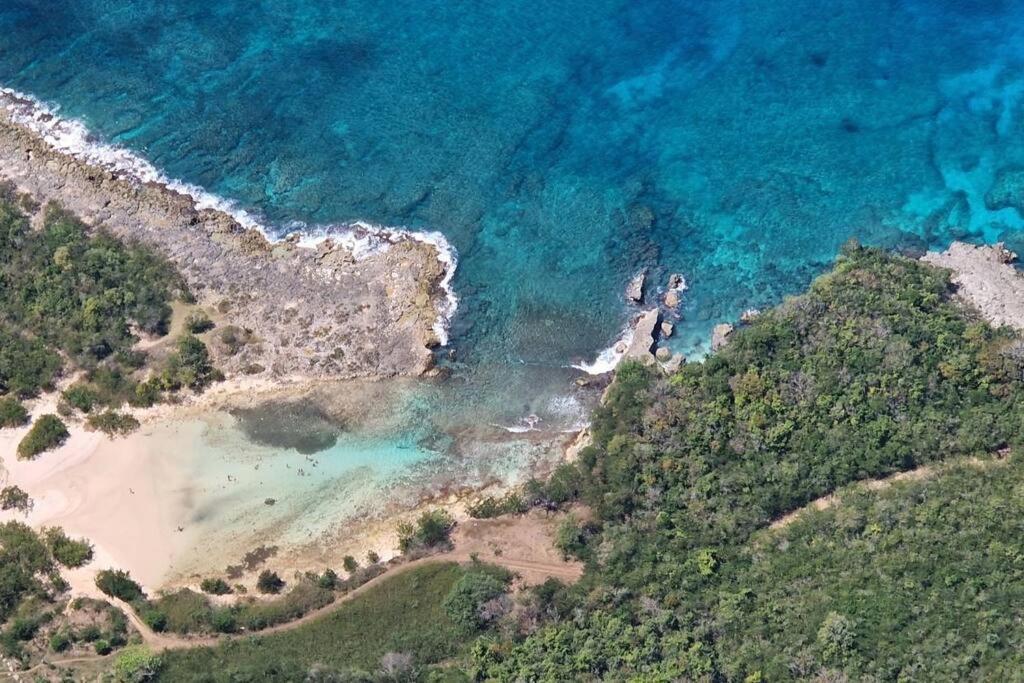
47 433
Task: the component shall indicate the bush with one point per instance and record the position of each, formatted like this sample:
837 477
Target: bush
190 366
66 551
328 580
13 498
215 586
432 529
198 322
112 424
269 582
135 664
60 641
349 563
472 590
82 396
372 557
103 647
510 504
47 433
12 413
119 584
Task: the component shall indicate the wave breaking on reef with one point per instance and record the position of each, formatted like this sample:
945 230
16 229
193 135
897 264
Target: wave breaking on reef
72 137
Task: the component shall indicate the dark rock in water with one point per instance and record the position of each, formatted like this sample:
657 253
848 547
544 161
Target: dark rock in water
300 425
635 288
270 501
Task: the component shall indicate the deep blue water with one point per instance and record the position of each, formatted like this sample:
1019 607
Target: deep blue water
562 145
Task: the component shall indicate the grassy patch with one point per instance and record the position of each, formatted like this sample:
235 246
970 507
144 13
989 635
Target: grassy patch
404 614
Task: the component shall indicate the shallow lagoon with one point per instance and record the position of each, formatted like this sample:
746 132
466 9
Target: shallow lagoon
560 147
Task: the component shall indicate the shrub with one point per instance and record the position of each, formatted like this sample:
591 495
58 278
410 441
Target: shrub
13 498
215 586
12 413
372 557
68 552
349 563
432 529
119 584
113 424
269 582
135 664
154 618
328 580
47 433
190 366
60 641
198 322
486 508
103 647
82 396
472 590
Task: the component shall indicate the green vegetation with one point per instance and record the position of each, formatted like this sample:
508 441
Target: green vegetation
431 530
71 292
510 504
874 371
402 615
74 291
12 413
13 498
112 424
472 603
198 322
30 588
136 663
67 551
269 582
216 586
47 433
119 584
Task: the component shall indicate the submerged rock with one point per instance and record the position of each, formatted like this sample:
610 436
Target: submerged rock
635 288
672 298
720 335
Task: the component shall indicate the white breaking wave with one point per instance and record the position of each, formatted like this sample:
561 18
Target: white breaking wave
73 138
609 358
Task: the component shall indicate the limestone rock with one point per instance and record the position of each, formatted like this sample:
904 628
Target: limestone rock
672 298
673 365
749 315
720 335
635 288
663 354
676 281
643 337
667 328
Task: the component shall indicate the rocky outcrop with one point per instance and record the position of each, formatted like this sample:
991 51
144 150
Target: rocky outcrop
635 288
643 337
316 312
985 280
720 335
667 329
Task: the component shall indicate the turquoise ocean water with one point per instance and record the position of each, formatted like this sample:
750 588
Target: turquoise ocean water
561 146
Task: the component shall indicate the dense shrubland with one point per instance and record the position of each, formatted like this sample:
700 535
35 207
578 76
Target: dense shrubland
78 299
873 371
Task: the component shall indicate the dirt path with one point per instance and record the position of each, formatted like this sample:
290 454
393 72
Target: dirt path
923 472
521 544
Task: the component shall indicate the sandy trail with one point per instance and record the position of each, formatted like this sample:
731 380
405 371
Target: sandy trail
521 544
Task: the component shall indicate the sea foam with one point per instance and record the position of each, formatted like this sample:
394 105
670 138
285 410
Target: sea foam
70 136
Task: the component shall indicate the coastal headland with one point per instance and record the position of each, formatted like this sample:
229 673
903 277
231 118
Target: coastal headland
364 303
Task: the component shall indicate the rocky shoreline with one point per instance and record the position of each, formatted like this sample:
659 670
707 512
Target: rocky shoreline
320 311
